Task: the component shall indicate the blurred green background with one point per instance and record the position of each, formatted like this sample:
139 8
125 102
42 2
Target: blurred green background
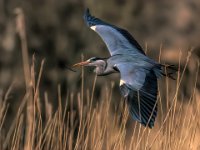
56 31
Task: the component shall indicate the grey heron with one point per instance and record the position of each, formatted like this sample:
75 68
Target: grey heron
139 73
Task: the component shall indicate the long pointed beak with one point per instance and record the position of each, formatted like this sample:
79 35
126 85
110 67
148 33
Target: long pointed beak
83 63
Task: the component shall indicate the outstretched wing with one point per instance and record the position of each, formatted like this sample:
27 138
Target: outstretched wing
139 87
118 40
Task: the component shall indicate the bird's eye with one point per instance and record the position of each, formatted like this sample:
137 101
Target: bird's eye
92 59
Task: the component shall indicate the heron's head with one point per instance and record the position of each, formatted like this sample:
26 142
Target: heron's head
99 63
94 61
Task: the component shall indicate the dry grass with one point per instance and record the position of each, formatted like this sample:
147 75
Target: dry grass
83 123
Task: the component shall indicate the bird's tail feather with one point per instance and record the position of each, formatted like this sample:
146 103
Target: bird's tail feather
165 70
169 71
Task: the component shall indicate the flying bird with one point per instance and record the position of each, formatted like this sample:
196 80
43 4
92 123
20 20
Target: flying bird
139 73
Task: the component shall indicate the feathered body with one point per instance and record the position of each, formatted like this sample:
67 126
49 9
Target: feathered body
139 73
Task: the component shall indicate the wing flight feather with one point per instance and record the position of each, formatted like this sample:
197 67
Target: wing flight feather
139 87
118 40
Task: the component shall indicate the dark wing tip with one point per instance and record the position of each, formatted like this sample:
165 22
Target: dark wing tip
146 110
87 16
91 20
87 10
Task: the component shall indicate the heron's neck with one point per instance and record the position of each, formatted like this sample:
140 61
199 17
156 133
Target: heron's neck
101 67
104 68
